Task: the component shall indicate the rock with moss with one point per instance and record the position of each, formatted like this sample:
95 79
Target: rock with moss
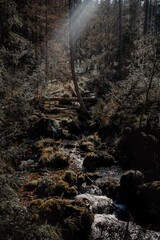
46 127
63 189
74 127
130 181
45 188
109 188
87 146
149 196
60 188
31 186
44 143
137 149
59 160
74 217
92 160
70 177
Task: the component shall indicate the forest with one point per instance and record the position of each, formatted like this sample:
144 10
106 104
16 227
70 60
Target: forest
80 119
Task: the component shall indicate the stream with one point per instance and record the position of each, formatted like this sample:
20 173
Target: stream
112 218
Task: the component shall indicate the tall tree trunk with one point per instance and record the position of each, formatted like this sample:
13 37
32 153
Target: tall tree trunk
146 16
46 41
120 40
72 55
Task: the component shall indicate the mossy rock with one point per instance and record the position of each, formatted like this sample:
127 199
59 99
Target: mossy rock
92 160
74 217
137 149
148 204
70 177
81 179
151 192
45 188
87 146
59 160
63 189
109 188
44 143
65 100
130 181
30 186
60 188
74 127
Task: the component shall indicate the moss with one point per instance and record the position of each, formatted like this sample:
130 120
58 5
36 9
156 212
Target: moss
81 179
59 160
60 188
63 189
109 188
46 142
30 186
47 152
35 204
53 232
45 188
73 216
70 177
87 146
100 159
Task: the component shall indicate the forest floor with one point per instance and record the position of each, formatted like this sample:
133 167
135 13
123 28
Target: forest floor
73 172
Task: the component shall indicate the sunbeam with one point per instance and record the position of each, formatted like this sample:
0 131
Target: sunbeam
80 17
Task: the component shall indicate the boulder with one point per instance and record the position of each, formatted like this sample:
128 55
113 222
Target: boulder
74 217
137 149
70 177
87 146
130 181
149 196
46 127
109 188
92 160
59 160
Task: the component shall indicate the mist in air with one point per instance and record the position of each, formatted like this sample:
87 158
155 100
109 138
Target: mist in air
80 18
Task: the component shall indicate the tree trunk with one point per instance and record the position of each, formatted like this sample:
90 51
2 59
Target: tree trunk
46 41
72 54
120 40
146 16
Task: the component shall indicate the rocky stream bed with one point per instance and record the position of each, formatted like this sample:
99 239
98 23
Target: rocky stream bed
72 185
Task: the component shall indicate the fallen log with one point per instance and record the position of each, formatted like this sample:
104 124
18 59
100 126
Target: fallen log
73 99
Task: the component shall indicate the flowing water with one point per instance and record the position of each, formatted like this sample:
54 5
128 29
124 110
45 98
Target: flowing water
111 218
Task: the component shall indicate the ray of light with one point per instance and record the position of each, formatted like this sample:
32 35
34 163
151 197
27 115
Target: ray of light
80 18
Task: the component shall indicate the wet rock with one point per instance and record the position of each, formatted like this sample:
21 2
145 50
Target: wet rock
80 179
45 143
87 146
74 217
65 100
90 161
109 188
45 188
99 204
137 149
46 127
71 137
149 195
62 189
130 181
30 186
74 127
101 159
70 177
59 160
